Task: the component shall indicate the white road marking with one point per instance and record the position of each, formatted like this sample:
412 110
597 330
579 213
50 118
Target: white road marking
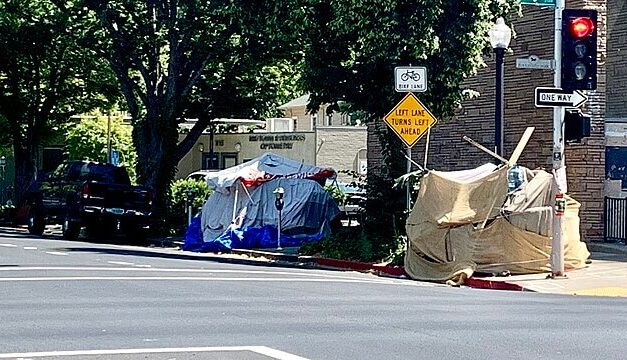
191 278
262 350
175 270
57 253
119 263
8 245
143 266
30 247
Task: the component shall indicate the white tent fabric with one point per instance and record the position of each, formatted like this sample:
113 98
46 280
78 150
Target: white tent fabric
265 168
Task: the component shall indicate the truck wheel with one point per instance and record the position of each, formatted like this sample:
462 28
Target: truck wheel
36 221
71 229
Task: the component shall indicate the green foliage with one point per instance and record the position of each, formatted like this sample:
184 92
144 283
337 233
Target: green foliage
46 75
200 59
336 193
86 139
348 243
181 191
351 49
352 243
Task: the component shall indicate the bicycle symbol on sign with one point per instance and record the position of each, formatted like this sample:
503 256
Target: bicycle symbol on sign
410 74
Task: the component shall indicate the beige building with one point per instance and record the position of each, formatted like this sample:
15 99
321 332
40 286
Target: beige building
321 139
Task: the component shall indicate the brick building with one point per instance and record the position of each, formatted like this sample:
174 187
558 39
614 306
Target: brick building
585 162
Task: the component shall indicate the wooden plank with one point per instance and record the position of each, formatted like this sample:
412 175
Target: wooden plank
521 145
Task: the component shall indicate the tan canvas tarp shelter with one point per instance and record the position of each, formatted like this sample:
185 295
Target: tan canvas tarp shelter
465 221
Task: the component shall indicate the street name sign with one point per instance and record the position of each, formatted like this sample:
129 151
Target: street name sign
554 97
410 119
534 62
410 78
538 2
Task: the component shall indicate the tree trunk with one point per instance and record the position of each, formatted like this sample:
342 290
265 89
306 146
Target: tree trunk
25 170
156 140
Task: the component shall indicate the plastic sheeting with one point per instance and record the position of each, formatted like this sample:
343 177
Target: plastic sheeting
463 224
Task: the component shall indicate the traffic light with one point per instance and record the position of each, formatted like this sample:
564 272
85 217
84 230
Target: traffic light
576 125
579 49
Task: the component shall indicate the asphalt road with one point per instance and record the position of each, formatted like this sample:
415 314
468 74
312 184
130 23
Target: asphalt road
77 300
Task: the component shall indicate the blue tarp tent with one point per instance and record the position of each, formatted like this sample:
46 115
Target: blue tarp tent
241 214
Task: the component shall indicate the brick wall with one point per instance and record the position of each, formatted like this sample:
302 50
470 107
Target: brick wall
617 58
585 162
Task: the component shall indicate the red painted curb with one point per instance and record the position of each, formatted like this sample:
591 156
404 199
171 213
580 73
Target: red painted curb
493 285
361 266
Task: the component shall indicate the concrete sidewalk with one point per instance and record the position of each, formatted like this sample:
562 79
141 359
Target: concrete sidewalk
606 275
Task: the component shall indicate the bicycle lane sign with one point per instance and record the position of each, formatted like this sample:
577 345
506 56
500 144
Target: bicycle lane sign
410 78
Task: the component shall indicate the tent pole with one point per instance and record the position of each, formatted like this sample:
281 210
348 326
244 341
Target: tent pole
235 203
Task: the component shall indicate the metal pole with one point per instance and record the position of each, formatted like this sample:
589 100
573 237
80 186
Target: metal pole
211 155
427 147
279 233
498 110
109 139
557 243
408 194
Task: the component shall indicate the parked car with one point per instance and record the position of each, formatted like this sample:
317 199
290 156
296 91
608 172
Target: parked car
355 198
95 195
353 204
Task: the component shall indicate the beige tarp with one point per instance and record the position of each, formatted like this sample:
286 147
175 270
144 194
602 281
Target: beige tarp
465 221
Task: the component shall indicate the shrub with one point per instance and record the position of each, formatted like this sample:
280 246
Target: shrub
180 190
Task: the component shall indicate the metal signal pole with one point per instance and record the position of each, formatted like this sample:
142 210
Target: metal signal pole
559 171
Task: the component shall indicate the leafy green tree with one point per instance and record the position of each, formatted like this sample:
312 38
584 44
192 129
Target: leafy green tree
185 58
45 76
351 50
87 139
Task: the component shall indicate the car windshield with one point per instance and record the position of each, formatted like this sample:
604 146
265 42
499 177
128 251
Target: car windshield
350 188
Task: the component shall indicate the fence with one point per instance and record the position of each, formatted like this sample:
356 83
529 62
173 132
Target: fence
615 219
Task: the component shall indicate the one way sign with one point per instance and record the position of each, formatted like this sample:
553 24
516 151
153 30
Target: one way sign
552 97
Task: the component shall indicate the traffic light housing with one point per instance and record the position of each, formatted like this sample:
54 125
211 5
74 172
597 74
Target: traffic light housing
576 125
579 49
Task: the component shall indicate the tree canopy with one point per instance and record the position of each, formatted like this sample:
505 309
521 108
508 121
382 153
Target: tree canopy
186 58
87 139
45 76
351 49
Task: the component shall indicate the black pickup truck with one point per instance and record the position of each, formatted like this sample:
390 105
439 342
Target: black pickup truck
95 195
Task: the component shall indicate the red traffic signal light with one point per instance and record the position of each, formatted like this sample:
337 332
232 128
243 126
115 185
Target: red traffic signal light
581 27
579 49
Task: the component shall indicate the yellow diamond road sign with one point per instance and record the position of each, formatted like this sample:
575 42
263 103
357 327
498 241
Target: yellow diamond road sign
410 119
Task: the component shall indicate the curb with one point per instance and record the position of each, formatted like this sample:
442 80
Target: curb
394 271
493 285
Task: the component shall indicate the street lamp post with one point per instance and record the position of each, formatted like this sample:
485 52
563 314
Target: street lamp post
500 36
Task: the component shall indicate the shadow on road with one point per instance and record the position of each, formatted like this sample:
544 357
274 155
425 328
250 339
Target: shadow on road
217 258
